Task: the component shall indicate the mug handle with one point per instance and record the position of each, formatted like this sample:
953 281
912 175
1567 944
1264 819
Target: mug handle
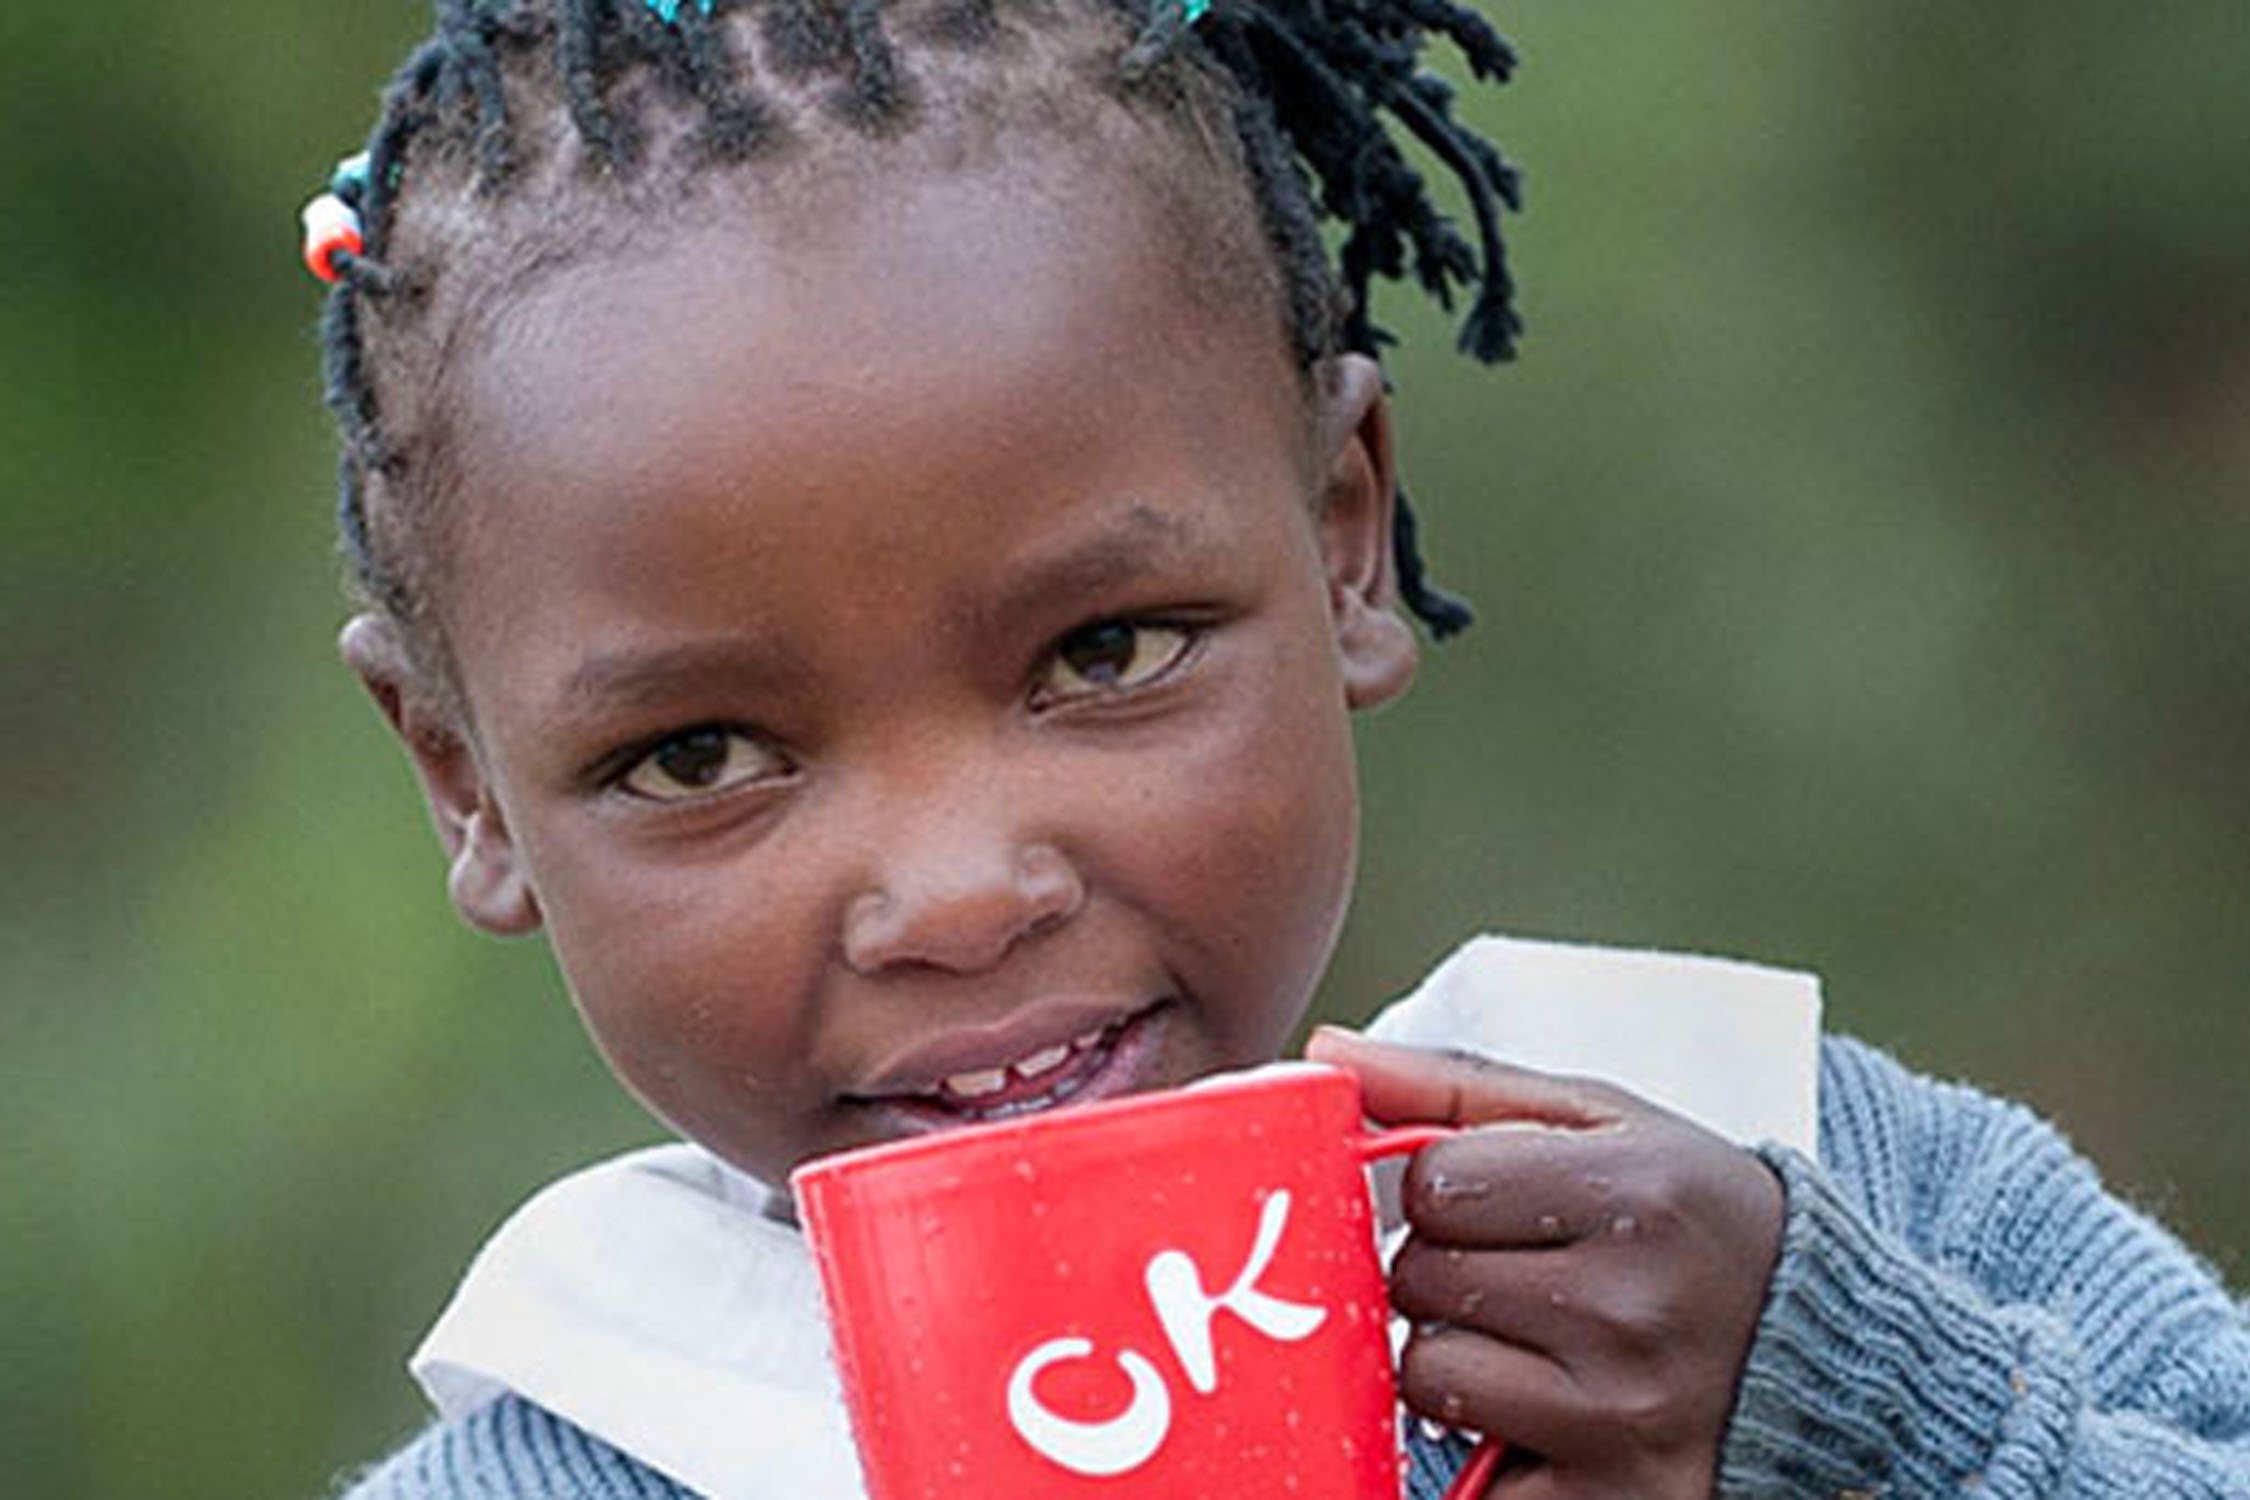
1404 1140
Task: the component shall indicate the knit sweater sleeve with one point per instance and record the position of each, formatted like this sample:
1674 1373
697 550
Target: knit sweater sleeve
1960 1307
510 1450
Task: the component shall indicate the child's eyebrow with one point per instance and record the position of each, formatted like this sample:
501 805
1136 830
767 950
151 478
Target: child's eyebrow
1142 539
632 677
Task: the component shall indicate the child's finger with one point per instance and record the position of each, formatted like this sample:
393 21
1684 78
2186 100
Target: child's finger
1414 1085
1526 1300
1521 1186
1468 1379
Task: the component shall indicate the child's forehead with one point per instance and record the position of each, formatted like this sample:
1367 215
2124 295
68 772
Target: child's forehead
945 344
880 283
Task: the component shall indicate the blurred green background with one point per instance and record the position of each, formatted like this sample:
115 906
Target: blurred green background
1863 545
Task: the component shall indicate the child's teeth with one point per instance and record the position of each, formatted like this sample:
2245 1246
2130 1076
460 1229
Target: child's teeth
1042 1062
977 1085
983 1083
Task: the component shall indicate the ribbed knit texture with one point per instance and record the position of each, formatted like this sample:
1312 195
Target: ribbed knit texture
1959 1309
1431 1462
512 1450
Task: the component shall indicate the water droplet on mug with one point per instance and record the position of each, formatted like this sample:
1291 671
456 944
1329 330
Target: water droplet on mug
1445 1188
1471 1300
1550 1227
1624 1226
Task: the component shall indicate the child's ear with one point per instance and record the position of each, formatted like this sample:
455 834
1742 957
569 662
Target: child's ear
485 874
1374 643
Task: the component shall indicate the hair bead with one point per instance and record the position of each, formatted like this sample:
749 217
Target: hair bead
349 182
332 228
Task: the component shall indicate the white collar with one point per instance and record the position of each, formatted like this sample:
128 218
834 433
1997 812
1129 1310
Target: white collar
653 1302
1733 1046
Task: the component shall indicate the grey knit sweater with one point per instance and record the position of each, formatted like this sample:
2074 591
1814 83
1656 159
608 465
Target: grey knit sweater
1958 1309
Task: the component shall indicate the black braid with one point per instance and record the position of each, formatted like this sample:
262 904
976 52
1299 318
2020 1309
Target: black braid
875 94
807 36
466 31
735 123
1307 85
582 46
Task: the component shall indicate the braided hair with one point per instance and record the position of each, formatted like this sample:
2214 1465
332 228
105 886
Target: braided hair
513 100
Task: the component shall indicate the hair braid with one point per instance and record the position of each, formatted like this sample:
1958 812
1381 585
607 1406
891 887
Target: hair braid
580 46
806 36
735 122
467 28
878 95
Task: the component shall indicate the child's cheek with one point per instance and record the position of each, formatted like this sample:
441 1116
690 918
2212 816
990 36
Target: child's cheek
684 976
1264 838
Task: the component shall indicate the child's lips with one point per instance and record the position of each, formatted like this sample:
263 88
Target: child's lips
945 1084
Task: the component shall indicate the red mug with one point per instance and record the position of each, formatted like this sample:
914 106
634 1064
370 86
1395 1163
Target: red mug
1173 1294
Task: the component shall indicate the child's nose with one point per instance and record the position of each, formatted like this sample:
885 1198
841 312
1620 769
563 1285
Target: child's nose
961 907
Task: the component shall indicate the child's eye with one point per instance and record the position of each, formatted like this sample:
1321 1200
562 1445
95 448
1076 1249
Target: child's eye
1113 656
701 763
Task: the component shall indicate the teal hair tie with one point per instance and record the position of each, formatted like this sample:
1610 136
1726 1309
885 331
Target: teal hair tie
350 178
1192 11
668 11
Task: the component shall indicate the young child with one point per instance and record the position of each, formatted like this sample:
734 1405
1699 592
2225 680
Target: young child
873 520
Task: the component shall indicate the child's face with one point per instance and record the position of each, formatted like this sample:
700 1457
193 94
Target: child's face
906 660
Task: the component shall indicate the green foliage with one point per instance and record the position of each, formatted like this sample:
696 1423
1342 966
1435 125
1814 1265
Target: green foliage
1861 544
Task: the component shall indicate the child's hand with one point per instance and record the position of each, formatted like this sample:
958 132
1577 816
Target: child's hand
1585 1271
